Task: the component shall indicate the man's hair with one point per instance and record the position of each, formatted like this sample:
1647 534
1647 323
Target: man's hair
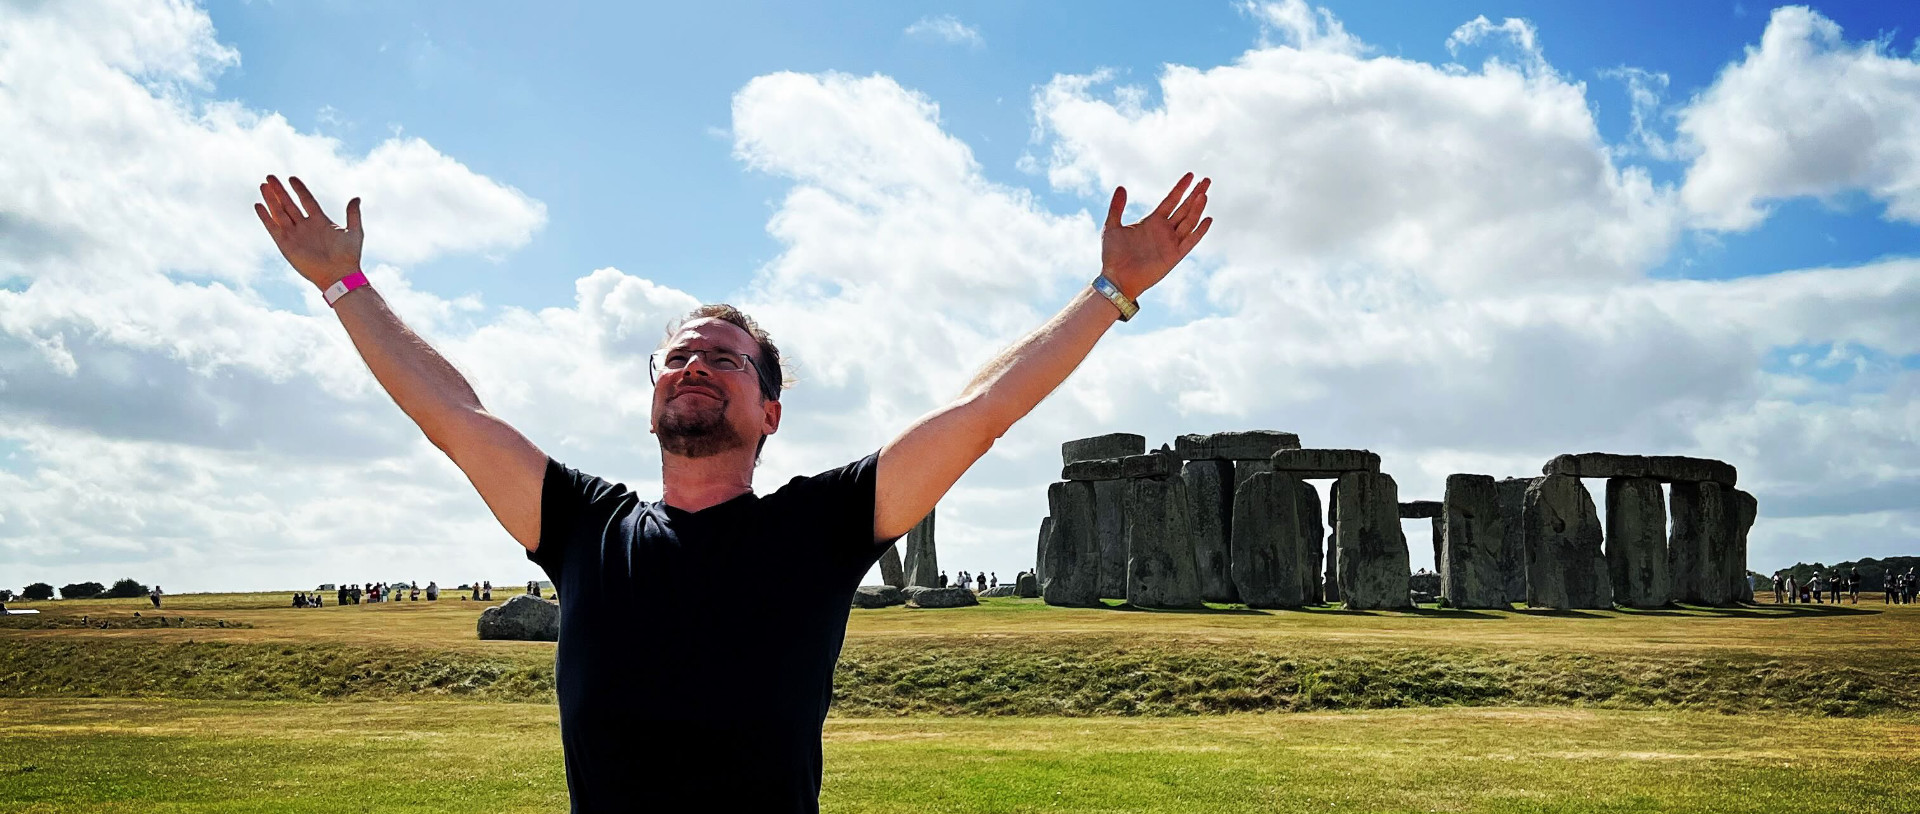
767 366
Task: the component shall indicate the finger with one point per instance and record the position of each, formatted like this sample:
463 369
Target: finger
282 203
1114 209
353 215
1193 240
308 202
273 229
1166 206
1198 197
1188 214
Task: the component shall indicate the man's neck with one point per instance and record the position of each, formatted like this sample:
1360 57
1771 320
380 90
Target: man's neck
692 484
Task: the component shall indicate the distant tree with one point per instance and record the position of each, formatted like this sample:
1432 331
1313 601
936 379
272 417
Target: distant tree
37 591
81 590
6 595
126 588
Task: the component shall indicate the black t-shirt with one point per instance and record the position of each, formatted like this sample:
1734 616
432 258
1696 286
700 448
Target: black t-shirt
697 649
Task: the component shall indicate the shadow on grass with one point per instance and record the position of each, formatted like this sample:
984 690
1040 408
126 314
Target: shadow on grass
1751 611
1127 606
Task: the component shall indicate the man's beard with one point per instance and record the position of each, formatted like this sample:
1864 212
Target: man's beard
698 433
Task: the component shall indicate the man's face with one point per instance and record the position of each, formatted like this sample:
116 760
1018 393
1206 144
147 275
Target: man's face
702 408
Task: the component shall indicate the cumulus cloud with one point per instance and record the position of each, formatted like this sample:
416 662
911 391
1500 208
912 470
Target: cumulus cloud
946 28
1805 114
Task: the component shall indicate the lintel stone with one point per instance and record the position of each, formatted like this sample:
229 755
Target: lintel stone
1663 468
1251 445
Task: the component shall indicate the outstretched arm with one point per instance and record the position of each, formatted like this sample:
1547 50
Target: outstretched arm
920 465
506 468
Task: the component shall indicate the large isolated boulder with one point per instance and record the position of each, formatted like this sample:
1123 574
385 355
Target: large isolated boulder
1373 560
952 596
922 564
524 618
891 571
1161 572
1110 536
1513 546
1663 468
1027 586
1473 533
1072 567
877 596
1251 445
1326 463
1637 542
1111 445
1208 487
1565 566
1700 543
1745 509
1269 553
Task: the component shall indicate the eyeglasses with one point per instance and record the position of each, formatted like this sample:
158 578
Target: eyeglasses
720 359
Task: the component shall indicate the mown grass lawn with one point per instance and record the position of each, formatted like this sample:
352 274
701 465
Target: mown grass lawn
166 756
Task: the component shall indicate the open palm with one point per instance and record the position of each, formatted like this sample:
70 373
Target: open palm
1138 256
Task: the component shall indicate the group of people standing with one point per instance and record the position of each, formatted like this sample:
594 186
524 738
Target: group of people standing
1833 585
1903 589
380 592
978 582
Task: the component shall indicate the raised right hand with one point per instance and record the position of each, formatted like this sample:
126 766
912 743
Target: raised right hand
317 248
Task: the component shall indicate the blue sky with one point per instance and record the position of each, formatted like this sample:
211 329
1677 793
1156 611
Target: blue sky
1468 236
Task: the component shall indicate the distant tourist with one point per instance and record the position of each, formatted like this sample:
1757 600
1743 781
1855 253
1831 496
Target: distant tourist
993 579
1838 585
154 595
476 591
486 590
980 580
1779 588
1793 589
943 579
433 591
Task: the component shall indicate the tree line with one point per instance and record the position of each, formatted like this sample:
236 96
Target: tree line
127 588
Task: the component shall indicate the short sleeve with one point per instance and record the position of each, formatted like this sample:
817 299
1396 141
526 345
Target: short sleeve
573 505
841 502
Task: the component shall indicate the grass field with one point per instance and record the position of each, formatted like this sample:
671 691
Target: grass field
1011 706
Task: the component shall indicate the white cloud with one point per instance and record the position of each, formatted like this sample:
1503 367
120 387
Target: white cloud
946 28
1804 114
1301 26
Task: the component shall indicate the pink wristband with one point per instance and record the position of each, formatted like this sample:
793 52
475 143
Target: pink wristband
348 283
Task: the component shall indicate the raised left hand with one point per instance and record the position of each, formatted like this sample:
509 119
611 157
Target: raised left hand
1138 256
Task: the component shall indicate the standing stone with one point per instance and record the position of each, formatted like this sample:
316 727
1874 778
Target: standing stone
1112 445
1745 509
891 572
1565 566
1242 470
1072 567
1110 529
923 568
1330 574
1311 532
1700 543
1637 542
1513 546
1040 558
1374 566
1161 572
1269 552
1438 528
1473 533
1208 486
1027 586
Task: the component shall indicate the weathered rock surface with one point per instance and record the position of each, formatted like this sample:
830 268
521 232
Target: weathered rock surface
1269 555
1242 470
999 590
1311 533
1161 572
1330 570
1637 542
1513 547
1110 533
1072 567
1373 562
1415 509
891 571
1663 468
1565 566
1745 509
1700 543
1147 465
1208 487
922 565
1326 463
1111 445
1473 534
1027 586
1040 550
1251 445
878 596
523 618
952 596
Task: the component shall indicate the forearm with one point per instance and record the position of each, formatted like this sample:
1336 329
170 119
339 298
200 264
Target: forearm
1011 385
425 386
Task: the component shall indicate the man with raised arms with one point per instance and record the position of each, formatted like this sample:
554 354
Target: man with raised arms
670 699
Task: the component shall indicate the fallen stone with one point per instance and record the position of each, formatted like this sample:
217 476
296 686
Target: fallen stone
1161 572
891 571
1209 492
1111 445
1373 561
1110 533
1269 556
1416 509
1326 463
1663 468
1637 542
1513 545
523 618
1027 586
1700 543
1565 567
1073 555
1251 445
921 563
1473 534
878 596
999 590
952 596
